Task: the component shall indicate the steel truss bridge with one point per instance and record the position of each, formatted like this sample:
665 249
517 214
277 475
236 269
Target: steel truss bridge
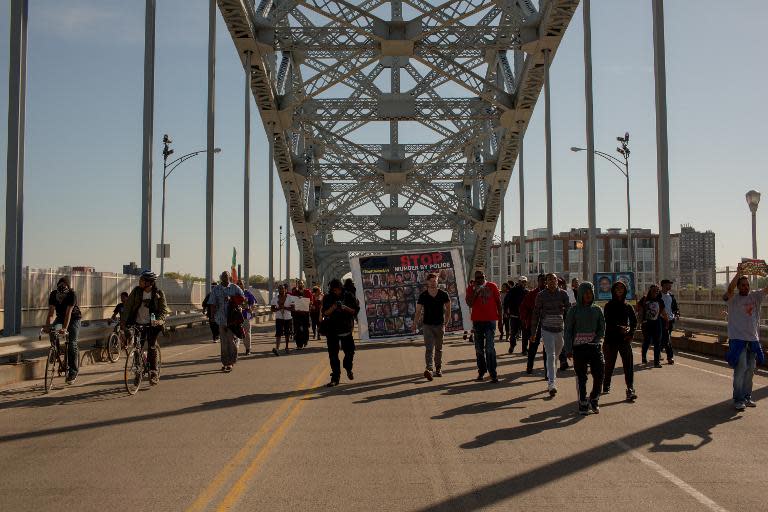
394 124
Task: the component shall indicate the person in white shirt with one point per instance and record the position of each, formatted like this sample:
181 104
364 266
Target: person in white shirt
282 305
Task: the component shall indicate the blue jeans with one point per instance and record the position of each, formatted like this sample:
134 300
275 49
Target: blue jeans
553 345
73 352
742 376
652 335
485 350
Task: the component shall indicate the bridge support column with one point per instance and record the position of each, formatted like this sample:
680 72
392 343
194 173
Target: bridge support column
148 135
589 256
209 174
287 242
521 184
271 222
548 155
14 204
662 153
247 173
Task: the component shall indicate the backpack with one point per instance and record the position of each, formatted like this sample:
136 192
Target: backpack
235 318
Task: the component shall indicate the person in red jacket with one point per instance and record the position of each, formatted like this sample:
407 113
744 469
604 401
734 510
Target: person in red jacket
531 333
484 299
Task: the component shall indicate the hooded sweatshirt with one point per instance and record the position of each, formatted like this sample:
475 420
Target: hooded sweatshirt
618 314
584 323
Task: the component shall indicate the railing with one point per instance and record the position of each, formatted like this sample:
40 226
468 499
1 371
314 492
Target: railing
719 328
96 332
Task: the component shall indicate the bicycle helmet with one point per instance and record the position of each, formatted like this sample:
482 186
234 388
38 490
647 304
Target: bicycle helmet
148 275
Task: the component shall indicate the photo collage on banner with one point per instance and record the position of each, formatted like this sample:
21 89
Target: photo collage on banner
604 281
391 285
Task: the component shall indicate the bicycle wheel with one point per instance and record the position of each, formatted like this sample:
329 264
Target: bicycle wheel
113 347
134 368
50 368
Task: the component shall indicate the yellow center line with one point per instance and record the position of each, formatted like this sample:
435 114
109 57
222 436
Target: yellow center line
220 479
240 486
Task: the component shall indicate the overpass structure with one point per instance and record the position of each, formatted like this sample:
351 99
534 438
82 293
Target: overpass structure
394 124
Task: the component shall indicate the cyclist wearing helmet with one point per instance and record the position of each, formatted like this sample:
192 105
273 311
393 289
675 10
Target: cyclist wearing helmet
145 302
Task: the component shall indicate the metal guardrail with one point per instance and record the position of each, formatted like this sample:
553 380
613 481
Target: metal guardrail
97 331
719 328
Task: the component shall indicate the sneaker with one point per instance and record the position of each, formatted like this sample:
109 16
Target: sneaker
350 375
583 408
437 373
657 364
671 360
749 402
529 371
70 379
332 383
552 390
274 351
247 352
594 406
511 349
631 395
480 377
428 375
154 379
227 369
606 390
494 379
739 406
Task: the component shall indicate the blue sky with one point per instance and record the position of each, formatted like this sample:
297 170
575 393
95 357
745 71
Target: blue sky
84 112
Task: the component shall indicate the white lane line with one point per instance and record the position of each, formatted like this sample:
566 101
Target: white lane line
661 470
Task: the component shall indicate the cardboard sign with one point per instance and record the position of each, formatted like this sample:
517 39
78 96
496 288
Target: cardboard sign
750 267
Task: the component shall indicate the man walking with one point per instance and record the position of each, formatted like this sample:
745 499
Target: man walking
208 311
512 303
484 299
301 316
743 337
549 312
221 297
433 312
250 302
531 332
673 312
340 309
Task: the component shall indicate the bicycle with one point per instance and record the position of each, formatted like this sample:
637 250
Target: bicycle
136 361
55 365
115 344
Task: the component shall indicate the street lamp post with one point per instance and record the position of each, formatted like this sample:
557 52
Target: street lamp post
753 199
168 168
623 167
280 256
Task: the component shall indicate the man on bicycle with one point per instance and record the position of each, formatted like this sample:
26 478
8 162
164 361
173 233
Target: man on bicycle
62 303
146 306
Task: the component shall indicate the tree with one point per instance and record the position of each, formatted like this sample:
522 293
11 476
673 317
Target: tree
257 279
183 277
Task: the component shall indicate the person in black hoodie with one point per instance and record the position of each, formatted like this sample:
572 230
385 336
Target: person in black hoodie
620 326
340 308
511 304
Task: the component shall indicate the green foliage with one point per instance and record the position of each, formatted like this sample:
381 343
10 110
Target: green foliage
183 277
254 280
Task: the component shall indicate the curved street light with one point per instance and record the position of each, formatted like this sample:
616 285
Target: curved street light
168 168
623 168
753 200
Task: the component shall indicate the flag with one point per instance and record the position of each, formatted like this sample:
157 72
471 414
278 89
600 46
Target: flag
233 271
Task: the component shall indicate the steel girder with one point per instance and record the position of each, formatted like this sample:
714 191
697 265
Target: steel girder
323 72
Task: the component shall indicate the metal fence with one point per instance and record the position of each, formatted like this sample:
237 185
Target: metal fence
97 293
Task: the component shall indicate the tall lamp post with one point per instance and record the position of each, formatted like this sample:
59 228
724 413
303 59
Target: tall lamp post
168 168
280 256
623 167
753 199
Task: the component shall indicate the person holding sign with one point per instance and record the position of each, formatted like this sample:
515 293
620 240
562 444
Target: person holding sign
302 304
744 337
433 314
282 305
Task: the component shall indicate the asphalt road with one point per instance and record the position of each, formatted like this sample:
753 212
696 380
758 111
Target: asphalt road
270 436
